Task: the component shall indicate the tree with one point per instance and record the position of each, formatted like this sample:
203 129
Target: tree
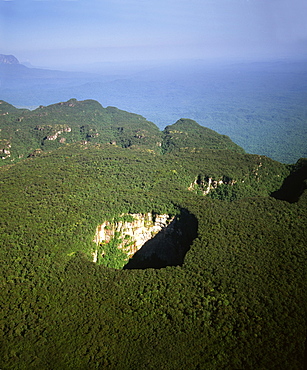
110 254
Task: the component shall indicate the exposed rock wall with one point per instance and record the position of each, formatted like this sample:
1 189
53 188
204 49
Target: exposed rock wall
150 240
169 246
134 233
206 184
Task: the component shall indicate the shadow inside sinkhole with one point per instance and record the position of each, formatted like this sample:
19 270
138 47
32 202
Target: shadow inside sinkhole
295 184
169 246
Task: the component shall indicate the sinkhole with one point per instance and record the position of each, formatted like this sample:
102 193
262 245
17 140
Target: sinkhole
169 246
295 184
145 240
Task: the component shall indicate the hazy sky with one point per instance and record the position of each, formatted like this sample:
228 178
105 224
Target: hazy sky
61 32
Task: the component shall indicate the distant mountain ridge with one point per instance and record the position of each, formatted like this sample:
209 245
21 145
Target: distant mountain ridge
260 106
8 59
21 80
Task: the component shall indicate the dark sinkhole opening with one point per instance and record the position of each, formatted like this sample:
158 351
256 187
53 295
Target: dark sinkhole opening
169 246
295 184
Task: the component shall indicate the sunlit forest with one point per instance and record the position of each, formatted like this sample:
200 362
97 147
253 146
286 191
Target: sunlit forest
236 300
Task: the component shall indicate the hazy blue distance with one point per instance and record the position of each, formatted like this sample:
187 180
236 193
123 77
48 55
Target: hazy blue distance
73 33
139 43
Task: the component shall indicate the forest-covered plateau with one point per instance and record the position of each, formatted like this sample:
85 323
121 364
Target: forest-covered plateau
238 300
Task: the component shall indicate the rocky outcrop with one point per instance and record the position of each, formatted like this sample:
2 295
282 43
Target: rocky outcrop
134 230
206 183
5 149
35 153
150 240
54 130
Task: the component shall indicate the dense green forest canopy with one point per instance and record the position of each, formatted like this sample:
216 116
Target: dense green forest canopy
238 300
25 132
186 133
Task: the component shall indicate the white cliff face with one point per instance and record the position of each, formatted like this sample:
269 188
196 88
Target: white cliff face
207 184
134 233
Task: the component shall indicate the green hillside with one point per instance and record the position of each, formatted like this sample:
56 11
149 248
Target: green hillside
25 132
236 301
187 134
6 108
